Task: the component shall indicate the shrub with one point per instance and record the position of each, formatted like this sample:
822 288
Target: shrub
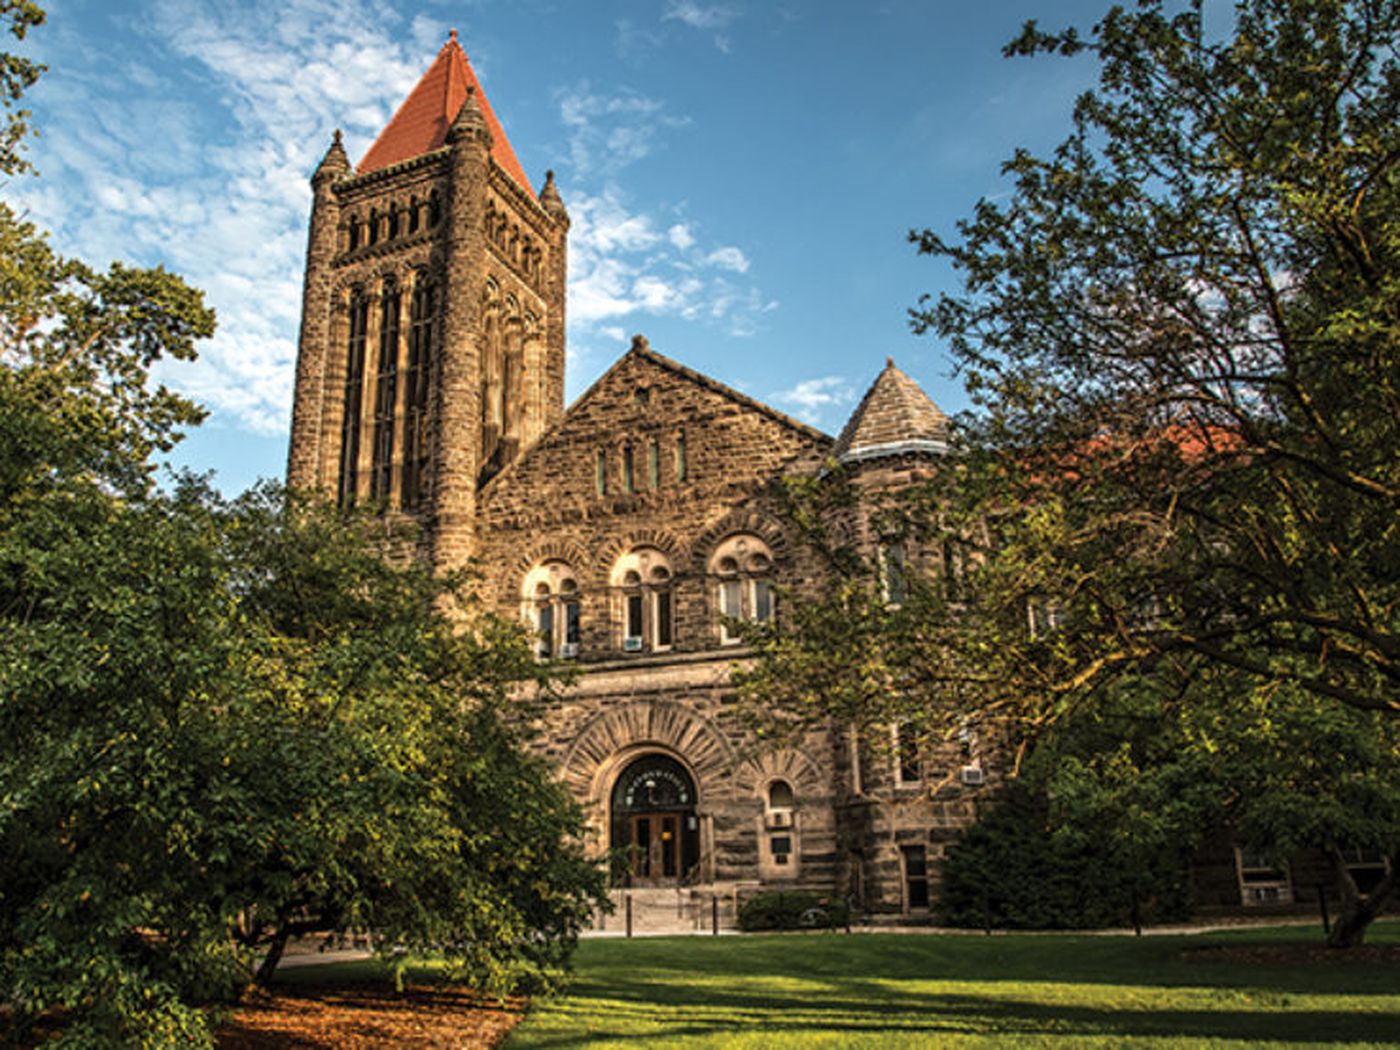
795 910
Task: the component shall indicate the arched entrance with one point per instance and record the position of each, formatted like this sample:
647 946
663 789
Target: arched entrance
654 822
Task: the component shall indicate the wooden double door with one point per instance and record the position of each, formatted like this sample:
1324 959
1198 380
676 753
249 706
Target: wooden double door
654 847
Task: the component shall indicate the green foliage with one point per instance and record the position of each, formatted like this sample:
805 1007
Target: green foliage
1180 329
17 74
1180 492
226 724
793 910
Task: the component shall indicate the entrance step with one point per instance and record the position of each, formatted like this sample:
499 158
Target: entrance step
668 911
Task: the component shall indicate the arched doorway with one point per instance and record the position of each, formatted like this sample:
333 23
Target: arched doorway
653 821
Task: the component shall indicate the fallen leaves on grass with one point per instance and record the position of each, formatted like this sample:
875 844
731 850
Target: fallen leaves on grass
360 1018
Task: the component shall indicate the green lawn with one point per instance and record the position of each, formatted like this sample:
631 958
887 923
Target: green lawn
891 990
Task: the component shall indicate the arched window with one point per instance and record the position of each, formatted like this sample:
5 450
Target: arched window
434 209
550 601
373 226
413 217
644 580
742 567
418 379
354 396
353 233
780 795
393 223
381 477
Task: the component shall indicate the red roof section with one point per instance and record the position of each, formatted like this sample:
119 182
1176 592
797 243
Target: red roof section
421 123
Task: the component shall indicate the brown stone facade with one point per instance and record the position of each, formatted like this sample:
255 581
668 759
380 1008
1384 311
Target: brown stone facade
629 531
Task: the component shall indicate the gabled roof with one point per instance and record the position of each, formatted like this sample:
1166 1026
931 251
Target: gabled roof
894 417
420 126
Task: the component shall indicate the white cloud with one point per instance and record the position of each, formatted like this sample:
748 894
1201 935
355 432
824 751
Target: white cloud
729 258
621 264
812 400
680 236
700 16
609 132
220 195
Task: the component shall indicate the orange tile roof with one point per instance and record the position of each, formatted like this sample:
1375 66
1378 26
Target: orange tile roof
422 121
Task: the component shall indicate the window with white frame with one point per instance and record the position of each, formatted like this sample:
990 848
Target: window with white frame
1262 879
643 579
550 604
742 569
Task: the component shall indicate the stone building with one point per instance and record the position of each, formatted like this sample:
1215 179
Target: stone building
630 530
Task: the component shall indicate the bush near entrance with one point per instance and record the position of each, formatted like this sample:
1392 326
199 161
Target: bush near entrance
797 910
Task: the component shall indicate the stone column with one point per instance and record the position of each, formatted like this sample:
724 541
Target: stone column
313 350
459 393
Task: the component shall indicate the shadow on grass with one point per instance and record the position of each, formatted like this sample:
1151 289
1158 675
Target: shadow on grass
785 988
965 1015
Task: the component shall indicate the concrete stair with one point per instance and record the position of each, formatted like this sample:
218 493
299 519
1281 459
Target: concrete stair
661 911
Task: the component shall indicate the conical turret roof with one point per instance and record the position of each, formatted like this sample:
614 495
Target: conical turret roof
894 417
422 122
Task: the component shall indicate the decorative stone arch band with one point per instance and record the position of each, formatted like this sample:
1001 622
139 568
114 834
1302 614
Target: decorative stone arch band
615 737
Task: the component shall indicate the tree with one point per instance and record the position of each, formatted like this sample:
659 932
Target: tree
224 724
1180 329
1182 476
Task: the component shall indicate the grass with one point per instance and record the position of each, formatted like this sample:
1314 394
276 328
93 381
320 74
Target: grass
892 990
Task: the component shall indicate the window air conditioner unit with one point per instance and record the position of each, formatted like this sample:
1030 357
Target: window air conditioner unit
780 819
971 776
568 650
631 645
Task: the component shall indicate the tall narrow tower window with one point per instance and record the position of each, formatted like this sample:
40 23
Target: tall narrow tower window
629 477
385 387
653 463
600 472
682 464
417 388
354 388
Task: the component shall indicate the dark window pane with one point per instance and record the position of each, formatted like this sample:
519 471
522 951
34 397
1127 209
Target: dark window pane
546 630
663 617
571 621
634 616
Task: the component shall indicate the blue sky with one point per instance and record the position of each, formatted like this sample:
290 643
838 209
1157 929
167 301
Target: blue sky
741 175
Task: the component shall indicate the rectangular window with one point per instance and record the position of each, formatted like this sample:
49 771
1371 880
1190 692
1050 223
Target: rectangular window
571 623
1261 880
906 755
546 631
354 393
682 465
893 568
600 472
915 877
730 596
781 846
634 617
663 618
762 601
629 480
654 463
381 477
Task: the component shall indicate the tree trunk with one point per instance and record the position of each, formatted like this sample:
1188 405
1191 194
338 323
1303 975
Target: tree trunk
1358 910
275 948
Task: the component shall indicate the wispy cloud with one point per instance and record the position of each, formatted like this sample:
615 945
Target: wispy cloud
823 400
707 17
609 132
219 192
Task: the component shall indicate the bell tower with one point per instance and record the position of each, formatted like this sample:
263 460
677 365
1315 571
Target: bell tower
432 336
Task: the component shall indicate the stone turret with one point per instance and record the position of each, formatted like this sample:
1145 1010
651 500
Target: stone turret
305 447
